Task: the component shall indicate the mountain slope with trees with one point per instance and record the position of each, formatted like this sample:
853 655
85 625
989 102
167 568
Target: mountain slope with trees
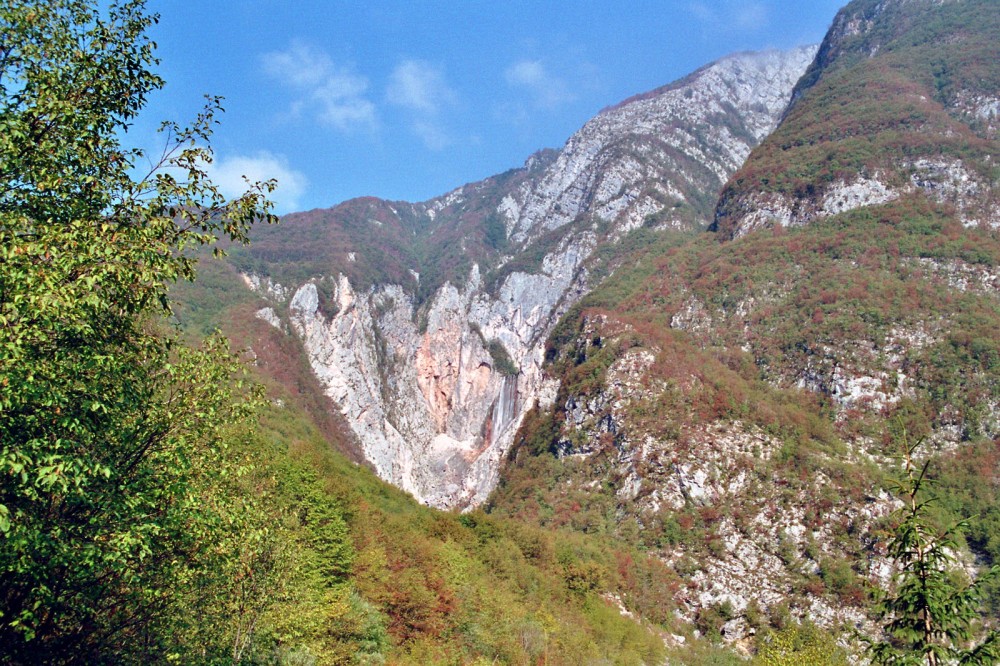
734 402
901 100
702 427
158 506
426 322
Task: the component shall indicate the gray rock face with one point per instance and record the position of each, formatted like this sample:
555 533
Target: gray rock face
436 407
944 181
655 151
763 538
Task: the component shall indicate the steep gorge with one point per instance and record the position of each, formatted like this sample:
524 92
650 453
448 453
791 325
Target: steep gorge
435 357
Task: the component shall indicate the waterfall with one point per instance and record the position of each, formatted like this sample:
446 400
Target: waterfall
505 407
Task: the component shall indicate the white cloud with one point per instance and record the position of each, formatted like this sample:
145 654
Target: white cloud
421 89
742 16
751 16
433 136
528 73
336 95
702 12
547 91
419 86
301 65
228 175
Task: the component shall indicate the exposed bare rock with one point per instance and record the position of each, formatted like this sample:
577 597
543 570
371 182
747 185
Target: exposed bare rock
657 151
435 390
944 181
265 287
949 181
270 316
762 536
964 276
982 110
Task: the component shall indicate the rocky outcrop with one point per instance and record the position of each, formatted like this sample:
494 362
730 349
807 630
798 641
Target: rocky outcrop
436 384
661 154
900 101
759 536
964 276
432 409
944 181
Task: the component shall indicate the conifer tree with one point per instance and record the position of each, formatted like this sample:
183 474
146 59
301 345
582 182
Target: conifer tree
930 614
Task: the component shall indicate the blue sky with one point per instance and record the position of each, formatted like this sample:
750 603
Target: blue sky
408 100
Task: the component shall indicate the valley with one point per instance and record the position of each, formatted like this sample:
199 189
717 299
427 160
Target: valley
730 401
715 382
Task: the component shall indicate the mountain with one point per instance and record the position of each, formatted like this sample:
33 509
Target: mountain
738 402
695 388
426 323
702 330
901 99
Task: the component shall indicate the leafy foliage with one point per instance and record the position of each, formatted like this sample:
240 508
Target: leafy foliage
501 359
968 489
798 644
794 300
112 437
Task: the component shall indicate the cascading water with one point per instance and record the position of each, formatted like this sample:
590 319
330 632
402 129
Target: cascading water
505 407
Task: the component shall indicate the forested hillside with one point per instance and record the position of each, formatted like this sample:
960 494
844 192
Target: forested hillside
718 382
426 323
158 503
739 403
368 574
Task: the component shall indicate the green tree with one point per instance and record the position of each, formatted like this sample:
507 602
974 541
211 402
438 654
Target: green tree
798 645
112 435
931 614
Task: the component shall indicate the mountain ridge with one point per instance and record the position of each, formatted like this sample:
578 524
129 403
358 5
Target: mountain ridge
517 250
735 401
563 346
929 112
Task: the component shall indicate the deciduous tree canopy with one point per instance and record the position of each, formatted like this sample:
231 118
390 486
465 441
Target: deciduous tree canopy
110 431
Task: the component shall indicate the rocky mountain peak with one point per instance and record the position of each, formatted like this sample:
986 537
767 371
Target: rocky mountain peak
426 323
661 148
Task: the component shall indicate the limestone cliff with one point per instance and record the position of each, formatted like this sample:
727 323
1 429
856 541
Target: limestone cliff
435 354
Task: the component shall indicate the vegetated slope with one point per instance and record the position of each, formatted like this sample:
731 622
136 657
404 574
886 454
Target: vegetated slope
371 241
425 323
734 402
353 570
902 98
